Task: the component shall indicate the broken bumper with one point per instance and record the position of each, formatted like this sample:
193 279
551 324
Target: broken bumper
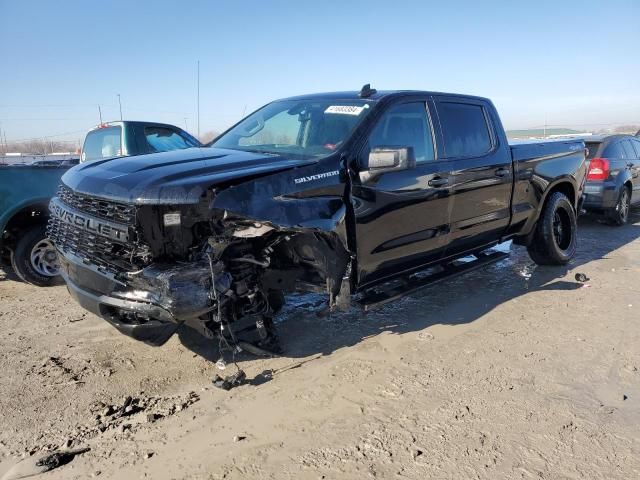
150 308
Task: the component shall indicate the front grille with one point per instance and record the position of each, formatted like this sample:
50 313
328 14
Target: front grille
106 254
106 209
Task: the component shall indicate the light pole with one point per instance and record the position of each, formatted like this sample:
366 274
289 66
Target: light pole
198 99
120 105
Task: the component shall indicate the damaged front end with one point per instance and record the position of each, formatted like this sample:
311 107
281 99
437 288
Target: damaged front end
147 269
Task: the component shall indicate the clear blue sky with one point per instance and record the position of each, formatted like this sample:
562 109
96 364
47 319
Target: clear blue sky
575 62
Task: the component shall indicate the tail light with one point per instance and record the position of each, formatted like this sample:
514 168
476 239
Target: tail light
598 169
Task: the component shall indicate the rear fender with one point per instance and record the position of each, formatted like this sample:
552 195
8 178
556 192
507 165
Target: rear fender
564 182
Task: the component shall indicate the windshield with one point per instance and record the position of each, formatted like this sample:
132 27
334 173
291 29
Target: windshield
102 143
307 128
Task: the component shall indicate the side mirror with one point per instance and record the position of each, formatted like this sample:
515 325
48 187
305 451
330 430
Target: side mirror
382 159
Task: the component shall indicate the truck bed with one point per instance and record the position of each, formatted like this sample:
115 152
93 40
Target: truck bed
522 152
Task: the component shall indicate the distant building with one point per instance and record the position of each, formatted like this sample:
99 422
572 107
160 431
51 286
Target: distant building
14 158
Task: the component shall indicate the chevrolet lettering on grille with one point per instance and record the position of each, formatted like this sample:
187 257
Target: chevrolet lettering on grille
87 222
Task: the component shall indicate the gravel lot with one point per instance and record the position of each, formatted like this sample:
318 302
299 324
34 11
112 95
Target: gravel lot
513 371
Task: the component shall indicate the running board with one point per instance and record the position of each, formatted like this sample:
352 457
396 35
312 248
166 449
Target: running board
410 284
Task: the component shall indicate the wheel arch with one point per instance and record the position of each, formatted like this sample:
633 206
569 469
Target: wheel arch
22 217
565 185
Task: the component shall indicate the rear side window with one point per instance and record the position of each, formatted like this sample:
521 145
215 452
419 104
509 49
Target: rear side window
628 149
405 125
636 145
614 150
465 129
102 143
162 139
593 149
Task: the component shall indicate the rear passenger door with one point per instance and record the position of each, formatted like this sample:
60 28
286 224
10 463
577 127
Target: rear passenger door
634 165
620 158
481 178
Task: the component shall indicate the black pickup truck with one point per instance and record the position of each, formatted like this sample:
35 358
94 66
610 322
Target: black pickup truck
341 193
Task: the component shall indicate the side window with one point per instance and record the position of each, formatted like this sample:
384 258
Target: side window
102 143
628 149
163 139
636 145
465 129
614 150
405 125
593 149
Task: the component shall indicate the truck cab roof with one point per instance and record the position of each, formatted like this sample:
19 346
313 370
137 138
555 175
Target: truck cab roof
376 96
132 122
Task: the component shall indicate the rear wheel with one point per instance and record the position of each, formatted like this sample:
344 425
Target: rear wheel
555 239
620 214
35 260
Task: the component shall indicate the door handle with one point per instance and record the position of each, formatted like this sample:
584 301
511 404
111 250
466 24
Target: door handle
438 182
502 172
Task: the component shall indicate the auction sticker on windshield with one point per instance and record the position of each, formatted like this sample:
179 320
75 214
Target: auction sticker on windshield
345 109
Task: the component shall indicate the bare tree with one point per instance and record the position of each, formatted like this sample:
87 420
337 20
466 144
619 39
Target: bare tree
39 147
208 136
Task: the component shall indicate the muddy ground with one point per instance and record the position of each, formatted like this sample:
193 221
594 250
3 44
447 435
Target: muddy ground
513 371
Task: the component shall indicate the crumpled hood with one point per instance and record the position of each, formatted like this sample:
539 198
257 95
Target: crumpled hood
175 177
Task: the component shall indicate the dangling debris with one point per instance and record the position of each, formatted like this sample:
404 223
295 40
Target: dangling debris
230 381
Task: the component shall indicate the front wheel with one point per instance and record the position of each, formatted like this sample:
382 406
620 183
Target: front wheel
555 239
35 259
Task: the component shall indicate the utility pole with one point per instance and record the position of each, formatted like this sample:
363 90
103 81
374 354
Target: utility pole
545 127
120 105
186 127
198 99
100 113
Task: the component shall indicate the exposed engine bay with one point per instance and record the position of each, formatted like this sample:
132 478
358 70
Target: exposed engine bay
151 268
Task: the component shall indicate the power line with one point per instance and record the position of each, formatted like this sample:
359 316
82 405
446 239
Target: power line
48 136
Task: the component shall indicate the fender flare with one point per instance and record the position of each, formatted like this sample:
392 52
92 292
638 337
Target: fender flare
7 216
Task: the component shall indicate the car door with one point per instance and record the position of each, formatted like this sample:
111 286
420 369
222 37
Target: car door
616 153
632 149
401 217
481 180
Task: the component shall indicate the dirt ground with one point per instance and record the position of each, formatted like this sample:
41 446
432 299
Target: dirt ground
513 371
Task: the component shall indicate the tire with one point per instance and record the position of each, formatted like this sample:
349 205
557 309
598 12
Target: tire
34 260
5 258
555 239
620 214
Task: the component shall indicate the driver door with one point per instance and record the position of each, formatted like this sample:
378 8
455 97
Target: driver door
402 216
